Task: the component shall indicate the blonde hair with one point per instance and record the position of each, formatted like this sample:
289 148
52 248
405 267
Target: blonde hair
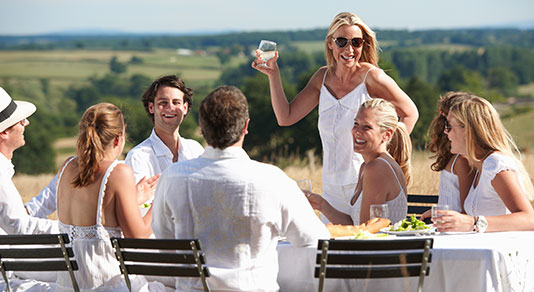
485 133
400 145
99 126
439 142
370 44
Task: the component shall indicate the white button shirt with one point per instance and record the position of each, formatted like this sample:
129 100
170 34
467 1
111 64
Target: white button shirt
238 208
13 216
152 156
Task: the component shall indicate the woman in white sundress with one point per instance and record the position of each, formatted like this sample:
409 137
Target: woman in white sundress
96 200
351 77
385 147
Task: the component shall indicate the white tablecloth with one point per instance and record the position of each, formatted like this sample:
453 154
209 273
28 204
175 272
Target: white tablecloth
501 261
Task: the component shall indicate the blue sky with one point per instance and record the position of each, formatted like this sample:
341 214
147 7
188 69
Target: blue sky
26 17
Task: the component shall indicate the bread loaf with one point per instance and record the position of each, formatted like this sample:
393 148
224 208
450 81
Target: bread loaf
372 226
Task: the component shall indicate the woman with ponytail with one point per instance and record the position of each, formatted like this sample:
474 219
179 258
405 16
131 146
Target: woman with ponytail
96 200
386 148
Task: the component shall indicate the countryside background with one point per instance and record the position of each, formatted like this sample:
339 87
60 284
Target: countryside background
64 74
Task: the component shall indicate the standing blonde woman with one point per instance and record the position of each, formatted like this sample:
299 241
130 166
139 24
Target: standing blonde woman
96 200
501 194
386 148
350 78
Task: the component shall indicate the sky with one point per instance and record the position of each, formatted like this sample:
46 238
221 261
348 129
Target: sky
31 17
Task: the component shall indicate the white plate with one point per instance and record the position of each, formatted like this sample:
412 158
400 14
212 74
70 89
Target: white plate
457 232
409 232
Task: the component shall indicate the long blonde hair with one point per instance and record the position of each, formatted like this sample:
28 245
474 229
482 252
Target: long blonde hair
99 126
370 45
485 133
400 145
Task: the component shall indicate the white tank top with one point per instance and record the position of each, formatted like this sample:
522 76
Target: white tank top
336 119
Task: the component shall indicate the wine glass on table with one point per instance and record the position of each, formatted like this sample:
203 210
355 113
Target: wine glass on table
378 210
267 49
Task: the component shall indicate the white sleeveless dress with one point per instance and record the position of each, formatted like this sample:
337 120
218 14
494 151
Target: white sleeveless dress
449 188
398 207
98 267
340 163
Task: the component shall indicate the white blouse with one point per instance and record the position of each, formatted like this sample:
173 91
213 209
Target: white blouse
483 199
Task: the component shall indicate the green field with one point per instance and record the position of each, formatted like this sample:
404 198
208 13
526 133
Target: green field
65 67
522 130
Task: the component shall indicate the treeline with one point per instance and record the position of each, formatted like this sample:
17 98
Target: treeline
389 38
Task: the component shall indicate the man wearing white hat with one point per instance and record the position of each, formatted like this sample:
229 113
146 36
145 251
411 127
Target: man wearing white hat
13 216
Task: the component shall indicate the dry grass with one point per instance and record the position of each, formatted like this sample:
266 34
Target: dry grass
425 181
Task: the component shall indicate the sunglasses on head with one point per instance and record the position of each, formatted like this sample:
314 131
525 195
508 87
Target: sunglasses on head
341 42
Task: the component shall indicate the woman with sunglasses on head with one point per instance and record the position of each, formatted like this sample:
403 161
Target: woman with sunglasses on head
500 198
350 78
456 174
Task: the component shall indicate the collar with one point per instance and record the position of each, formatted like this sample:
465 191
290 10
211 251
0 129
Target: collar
160 149
6 165
226 153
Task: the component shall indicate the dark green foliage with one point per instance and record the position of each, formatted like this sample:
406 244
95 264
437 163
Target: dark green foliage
117 67
37 156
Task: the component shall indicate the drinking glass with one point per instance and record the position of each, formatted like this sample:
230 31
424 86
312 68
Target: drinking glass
267 49
435 212
305 185
379 210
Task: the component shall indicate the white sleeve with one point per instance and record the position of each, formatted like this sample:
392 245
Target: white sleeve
45 203
162 224
300 224
140 167
13 216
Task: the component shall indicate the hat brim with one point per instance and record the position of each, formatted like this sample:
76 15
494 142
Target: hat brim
24 110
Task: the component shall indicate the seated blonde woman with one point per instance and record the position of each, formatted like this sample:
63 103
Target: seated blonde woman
386 147
500 198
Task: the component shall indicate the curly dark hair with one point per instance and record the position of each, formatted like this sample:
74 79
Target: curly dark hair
439 143
168 81
222 116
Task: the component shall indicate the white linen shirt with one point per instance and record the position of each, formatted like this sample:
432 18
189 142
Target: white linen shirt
238 208
13 216
152 156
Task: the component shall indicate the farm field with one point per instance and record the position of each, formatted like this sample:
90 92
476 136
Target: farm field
63 67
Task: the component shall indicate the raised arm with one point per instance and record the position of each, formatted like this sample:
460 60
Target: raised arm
289 113
380 85
126 208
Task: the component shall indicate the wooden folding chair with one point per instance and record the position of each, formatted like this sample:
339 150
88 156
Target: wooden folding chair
419 204
189 262
365 259
37 253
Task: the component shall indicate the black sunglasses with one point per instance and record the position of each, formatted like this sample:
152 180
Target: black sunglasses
447 127
341 42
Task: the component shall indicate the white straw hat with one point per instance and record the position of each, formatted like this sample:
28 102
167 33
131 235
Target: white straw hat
13 111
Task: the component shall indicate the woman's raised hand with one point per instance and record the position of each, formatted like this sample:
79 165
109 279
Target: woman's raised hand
145 188
266 67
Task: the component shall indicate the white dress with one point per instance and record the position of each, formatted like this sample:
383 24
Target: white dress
98 267
449 188
483 200
340 163
398 207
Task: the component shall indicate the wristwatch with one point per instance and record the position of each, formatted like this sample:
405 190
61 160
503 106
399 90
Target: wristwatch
481 224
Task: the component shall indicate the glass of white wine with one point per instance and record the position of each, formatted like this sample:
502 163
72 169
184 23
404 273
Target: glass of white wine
378 210
305 185
267 49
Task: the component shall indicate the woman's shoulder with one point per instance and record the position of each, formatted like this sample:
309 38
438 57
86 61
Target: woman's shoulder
380 167
120 172
497 162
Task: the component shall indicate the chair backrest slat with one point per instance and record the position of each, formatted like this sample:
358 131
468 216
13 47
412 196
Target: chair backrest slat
147 257
418 204
373 259
36 253
187 260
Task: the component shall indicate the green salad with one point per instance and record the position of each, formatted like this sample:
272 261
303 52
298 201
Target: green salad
409 224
